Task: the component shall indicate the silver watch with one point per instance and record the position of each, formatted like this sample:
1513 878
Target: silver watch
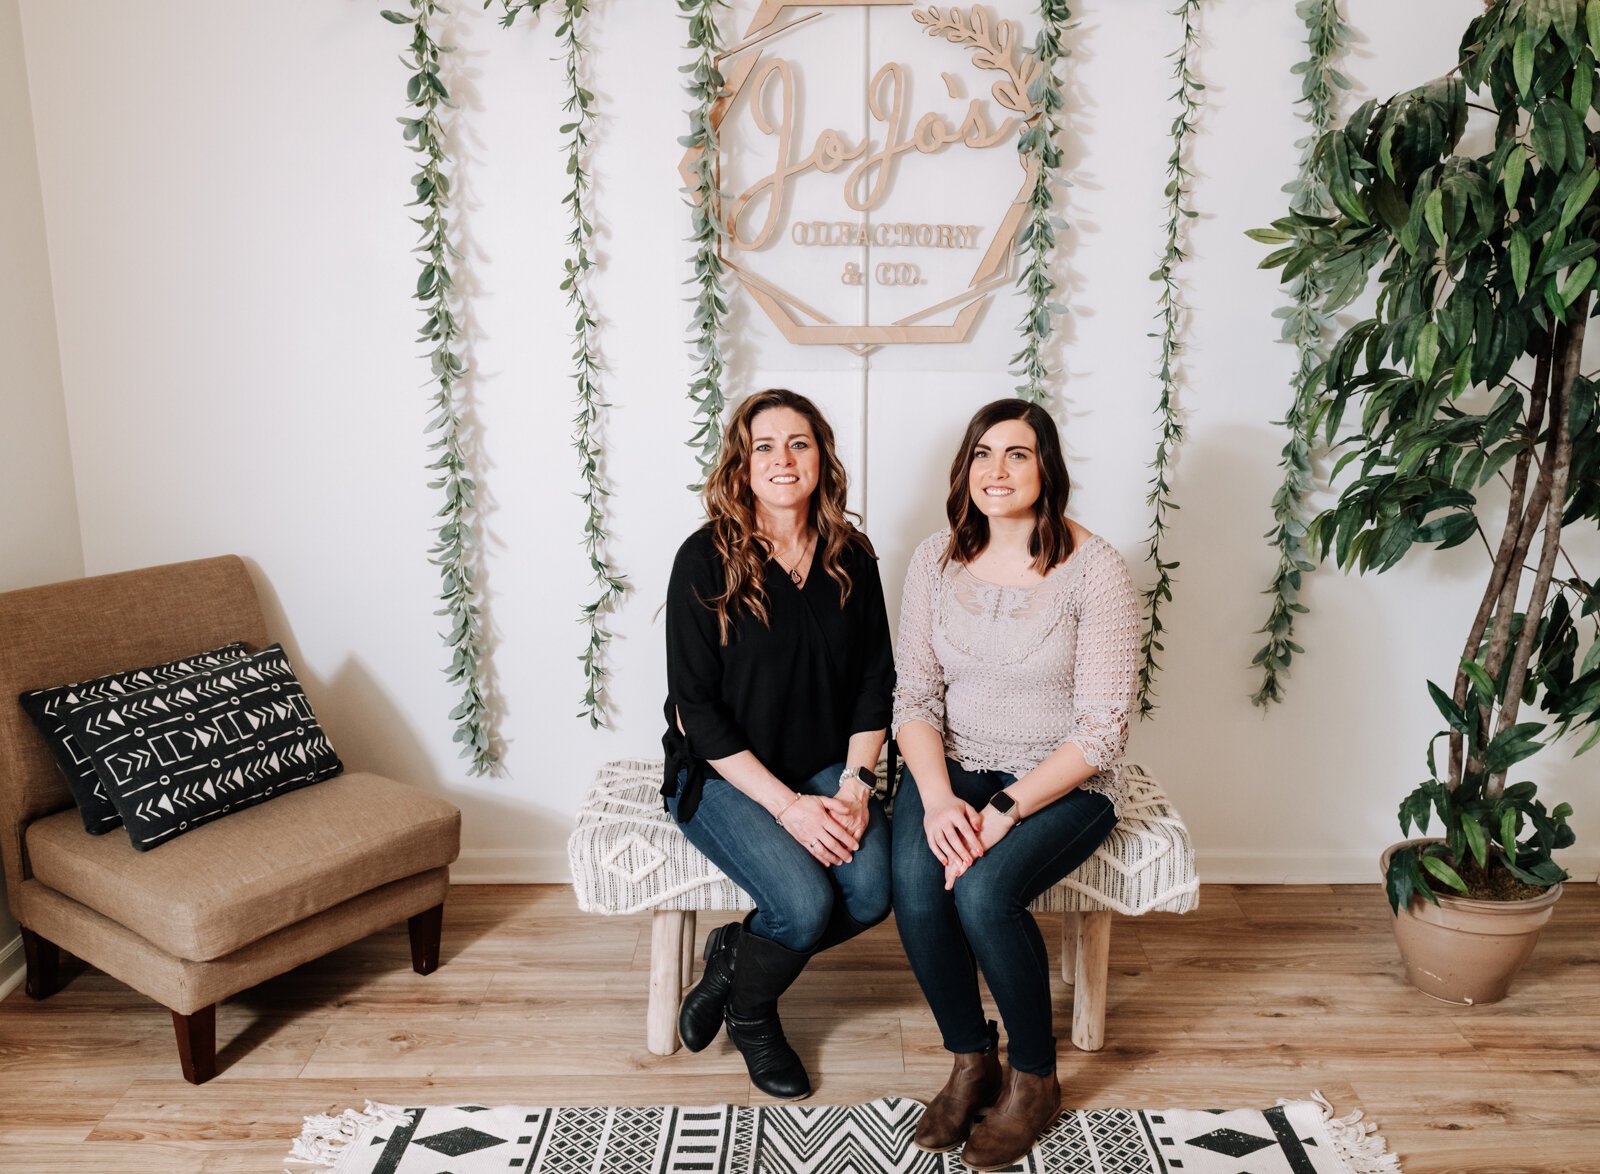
860 775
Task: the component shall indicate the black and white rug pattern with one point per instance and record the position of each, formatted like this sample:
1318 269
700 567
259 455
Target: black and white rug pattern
1293 1137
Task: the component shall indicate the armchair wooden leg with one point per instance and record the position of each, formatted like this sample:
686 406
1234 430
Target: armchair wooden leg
44 965
1089 997
427 928
666 980
197 1043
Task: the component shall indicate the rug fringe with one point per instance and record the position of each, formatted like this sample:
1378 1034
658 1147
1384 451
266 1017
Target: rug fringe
323 1139
1357 1142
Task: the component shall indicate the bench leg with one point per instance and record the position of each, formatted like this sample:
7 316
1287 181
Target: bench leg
1089 999
1069 947
686 979
666 980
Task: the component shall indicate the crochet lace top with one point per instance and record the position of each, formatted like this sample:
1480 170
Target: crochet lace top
1010 674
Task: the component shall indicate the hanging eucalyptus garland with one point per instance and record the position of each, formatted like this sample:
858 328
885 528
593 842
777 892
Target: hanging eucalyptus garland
452 551
586 434
1173 314
710 300
1327 34
1037 239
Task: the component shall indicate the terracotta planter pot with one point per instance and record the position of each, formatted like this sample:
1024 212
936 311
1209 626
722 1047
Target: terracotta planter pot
1466 951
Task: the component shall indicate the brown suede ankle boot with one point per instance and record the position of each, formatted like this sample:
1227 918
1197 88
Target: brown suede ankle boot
974 1085
1028 1107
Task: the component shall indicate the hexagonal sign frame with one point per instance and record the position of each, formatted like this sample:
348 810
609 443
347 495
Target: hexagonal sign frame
806 326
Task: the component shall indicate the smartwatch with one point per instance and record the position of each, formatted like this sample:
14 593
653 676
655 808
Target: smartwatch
861 775
1006 806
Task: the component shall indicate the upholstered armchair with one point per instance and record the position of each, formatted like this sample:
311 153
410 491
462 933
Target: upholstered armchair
231 903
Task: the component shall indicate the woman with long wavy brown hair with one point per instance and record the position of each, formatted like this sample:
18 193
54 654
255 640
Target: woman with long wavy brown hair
780 677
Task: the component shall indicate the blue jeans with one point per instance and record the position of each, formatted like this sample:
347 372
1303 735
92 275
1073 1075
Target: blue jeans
985 920
796 896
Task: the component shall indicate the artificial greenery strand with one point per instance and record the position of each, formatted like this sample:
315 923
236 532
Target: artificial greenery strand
453 548
1304 326
586 425
710 299
586 368
1037 239
1173 314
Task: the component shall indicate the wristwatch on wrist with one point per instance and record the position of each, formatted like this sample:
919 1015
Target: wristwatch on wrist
860 775
1005 805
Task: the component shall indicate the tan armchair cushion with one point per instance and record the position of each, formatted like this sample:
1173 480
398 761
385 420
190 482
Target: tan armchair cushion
232 882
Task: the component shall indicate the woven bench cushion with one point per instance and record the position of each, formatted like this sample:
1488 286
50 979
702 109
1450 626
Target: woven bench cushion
628 856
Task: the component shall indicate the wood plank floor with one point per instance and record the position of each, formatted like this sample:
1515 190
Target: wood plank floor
1263 992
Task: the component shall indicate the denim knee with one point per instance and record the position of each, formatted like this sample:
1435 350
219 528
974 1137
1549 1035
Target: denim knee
869 908
800 915
980 899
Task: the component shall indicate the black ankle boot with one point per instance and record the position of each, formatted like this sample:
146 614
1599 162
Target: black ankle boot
700 1016
763 970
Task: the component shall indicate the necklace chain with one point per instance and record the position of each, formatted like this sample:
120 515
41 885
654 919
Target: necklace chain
794 571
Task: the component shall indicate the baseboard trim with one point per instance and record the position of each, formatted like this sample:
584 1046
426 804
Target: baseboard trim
517 866
510 866
1330 868
13 966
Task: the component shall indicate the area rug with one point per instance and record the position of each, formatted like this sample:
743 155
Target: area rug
1293 1137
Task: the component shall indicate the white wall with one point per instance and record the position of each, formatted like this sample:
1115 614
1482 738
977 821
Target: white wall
39 540
229 248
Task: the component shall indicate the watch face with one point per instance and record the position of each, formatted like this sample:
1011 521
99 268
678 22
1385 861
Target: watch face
1002 803
867 778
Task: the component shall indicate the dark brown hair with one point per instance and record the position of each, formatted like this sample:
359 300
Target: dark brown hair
1051 542
731 507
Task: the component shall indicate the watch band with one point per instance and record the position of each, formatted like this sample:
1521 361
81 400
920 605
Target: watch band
861 775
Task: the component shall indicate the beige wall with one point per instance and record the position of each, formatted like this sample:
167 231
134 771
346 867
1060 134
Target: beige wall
39 540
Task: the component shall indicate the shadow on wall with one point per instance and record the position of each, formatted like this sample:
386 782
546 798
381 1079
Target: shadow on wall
366 727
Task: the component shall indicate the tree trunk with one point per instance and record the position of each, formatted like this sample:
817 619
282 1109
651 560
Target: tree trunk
1560 425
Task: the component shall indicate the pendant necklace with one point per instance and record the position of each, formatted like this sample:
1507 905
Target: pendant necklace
794 571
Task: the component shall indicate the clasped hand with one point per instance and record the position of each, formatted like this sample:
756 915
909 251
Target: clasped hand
827 828
959 834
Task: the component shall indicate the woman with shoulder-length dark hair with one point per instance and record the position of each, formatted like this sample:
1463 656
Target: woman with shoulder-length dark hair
1019 639
780 679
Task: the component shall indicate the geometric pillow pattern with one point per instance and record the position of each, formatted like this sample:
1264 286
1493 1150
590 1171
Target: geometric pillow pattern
47 708
189 751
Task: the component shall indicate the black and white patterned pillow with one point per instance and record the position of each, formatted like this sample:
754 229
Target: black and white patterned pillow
187 752
47 708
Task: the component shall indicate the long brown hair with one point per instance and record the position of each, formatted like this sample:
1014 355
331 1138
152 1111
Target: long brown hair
731 507
1051 541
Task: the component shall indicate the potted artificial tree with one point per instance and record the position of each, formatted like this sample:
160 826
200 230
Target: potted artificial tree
1465 415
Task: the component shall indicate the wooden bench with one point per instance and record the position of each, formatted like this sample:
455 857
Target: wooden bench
628 856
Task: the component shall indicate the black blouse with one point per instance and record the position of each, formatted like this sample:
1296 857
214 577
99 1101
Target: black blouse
791 691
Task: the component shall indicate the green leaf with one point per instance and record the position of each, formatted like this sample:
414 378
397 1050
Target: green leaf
1516 162
1446 706
1579 196
1444 872
396 17
1479 678
1508 831
1433 211
1476 840
1591 16
1427 349
1519 260
1522 61
1577 281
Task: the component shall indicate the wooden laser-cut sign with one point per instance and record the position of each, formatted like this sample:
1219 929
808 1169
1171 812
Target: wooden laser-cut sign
758 108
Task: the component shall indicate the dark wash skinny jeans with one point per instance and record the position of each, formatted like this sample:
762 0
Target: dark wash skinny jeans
794 894
985 920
